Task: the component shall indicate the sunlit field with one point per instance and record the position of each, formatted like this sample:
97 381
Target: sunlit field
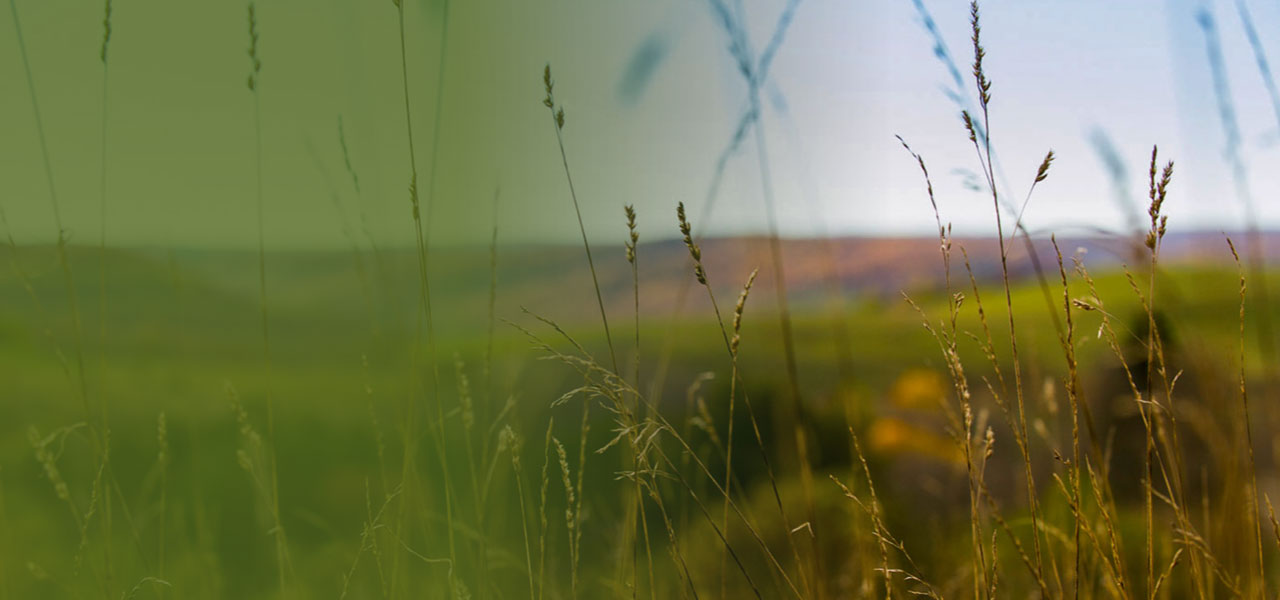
348 362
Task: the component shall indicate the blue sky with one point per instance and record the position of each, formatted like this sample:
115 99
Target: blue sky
850 76
1065 75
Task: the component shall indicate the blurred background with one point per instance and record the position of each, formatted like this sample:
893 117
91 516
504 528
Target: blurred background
235 363
653 96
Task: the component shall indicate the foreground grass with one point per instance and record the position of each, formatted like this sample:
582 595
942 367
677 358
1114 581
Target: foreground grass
178 350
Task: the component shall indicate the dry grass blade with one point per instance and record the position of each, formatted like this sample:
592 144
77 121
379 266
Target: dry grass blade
273 495
883 537
1073 387
557 117
610 385
983 148
1248 423
700 273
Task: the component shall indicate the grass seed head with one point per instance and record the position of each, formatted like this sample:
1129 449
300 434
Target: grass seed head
509 440
1151 174
1157 191
253 48
1043 173
49 462
685 228
549 101
737 312
567 479
694 251
106 32
979 53
635 235
413 193
464 393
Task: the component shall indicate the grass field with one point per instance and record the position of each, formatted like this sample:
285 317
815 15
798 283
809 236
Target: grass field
178 330
691 416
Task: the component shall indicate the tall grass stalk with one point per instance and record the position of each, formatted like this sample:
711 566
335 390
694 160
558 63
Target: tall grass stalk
557 120
884 537
676 555
362 202
39 444
63 254
734 342
162 464
493 300
1073 397
424 296
731 347
273 498
983 147
468 416
349 234
514 444
442 62
775 254
837 303
368 286
960 97
758 68
1259 56
1157 372
6 539
424 249
1112 339
571 513
702 507
98 436
794 415
583 430
102 195
575 530
106 520
637 517
633 238
488 404
1240 178
1248 424
542 511
962 424
732 20
102 185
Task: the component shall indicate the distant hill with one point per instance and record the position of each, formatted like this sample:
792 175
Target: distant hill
856 267
554 280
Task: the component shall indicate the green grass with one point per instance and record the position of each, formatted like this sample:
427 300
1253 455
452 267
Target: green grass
173 349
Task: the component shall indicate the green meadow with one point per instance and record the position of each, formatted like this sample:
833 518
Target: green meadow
178 359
